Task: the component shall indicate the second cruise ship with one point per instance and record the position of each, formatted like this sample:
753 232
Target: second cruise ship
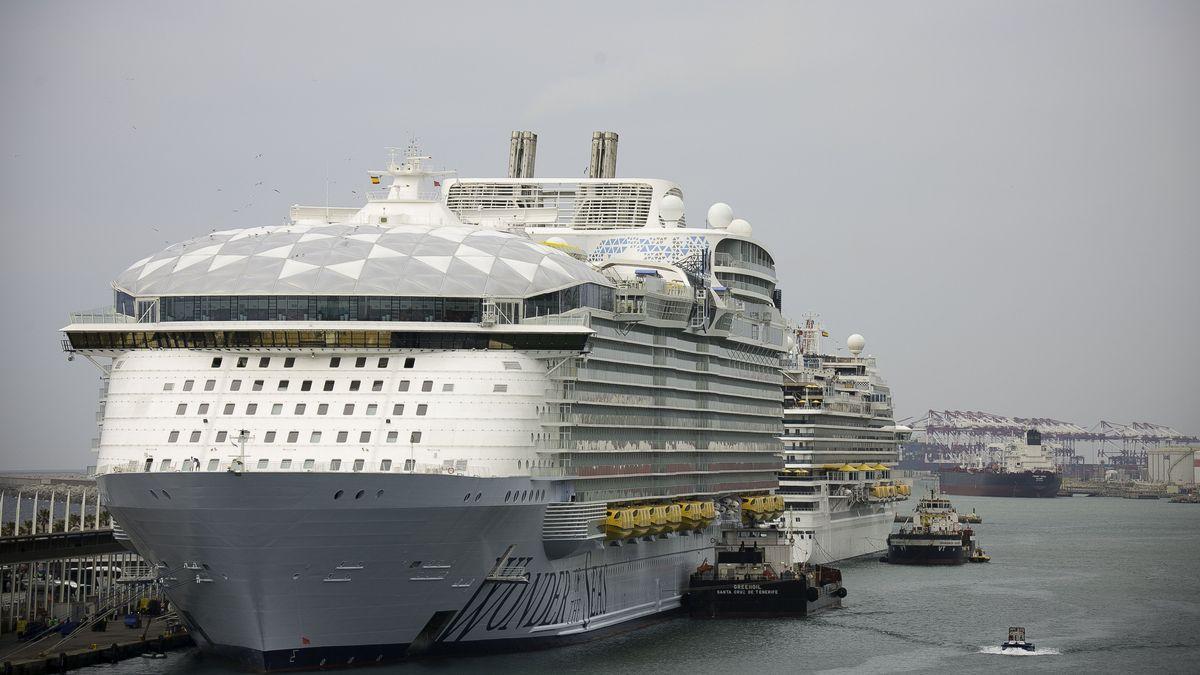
840 443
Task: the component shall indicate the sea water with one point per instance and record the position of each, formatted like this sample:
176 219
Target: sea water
1100 585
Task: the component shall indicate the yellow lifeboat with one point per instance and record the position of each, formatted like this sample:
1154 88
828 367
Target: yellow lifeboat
658 519
690 514
752 507
709 511
777 503
674 517
878 492
641 521
904 489
618 524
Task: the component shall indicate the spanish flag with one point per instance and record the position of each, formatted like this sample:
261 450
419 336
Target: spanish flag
374 180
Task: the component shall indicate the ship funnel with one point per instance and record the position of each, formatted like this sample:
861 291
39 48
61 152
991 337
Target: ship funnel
1033 437
522 151
604 155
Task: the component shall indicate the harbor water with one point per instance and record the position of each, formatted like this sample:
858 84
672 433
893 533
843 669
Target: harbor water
1100 584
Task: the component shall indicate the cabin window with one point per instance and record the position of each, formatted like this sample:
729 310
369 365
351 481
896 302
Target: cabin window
343 436
359 464
187 384
289 362
181 409
264 362
383 362
364 437
242 361
195 437
216 362
385 465
269 437
360 362
408 362
202 409
173 437
335 465
335 361
306 385
314 437
293 437
372 408
213 463
221 436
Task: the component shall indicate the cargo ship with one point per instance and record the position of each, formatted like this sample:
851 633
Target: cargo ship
1025 470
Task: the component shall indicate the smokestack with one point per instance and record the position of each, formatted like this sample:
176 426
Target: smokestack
604 155
522 151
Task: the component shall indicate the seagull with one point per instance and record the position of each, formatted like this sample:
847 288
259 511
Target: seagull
258 155
258 183
275 189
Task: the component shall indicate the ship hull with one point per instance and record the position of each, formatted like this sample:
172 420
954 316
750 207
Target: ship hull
287 571
1040 484
911 550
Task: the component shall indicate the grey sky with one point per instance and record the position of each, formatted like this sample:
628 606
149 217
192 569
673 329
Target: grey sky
1001 196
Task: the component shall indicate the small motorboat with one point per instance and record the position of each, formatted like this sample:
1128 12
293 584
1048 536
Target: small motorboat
978 556
1016 640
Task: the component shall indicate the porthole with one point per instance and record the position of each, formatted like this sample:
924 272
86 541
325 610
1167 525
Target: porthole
378 494
466 496
338 494
359 494
507 496
478 495
295 576
154 494
166 494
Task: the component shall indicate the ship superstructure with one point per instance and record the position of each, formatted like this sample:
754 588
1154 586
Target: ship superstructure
840 441
424 424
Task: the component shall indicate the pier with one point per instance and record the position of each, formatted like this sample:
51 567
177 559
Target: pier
73 592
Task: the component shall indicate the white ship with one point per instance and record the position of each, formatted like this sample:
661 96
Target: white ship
840 440
423 424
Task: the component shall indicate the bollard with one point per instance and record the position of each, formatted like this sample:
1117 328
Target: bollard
115 655
62 662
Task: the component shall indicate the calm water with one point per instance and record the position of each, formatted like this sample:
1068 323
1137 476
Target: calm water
1102 585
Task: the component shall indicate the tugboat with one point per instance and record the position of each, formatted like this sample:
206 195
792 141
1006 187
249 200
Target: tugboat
754 577
1016 640
932 536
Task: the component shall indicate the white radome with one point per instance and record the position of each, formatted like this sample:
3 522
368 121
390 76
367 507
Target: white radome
670 209
855 344
720 215
741 227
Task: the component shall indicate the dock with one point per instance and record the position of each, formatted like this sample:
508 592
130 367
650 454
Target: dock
86 648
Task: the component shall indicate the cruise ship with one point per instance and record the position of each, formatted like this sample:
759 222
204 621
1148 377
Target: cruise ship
840 441
469 414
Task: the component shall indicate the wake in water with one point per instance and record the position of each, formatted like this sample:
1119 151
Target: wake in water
1017 652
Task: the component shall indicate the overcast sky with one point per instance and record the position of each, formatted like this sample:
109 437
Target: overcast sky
1001 196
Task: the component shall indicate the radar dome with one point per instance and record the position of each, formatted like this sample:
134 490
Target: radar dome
670 209
720 215
855 344
558 241
741 227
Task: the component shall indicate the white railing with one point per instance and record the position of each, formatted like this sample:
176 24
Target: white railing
101 315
